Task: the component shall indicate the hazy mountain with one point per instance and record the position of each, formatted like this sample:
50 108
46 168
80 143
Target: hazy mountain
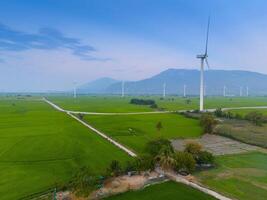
97 86
175 79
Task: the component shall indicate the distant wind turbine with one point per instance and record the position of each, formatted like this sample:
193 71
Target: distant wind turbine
247 91
164 90
224 91
184 90
241 91
204 58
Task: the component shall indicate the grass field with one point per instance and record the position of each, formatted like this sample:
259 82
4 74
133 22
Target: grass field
167 190
118 104
40 147
243 112
243 131
136 130
242 177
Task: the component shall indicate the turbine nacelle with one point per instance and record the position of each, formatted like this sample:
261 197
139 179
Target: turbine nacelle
202 56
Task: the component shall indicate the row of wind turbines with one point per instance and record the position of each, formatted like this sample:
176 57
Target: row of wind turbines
203 61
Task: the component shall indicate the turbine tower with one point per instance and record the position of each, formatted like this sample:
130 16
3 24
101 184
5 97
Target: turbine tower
203 58
247 91
122 89
164 90
241 91
184 90
224 91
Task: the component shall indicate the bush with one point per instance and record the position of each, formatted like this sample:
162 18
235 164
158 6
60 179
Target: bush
193 148
144 162
143 101
205 157
256 118
114 168
185 162
218 112
83 182
159 126
154 147
208 122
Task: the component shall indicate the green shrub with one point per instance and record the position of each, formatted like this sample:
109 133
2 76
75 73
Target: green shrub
205 157
154 147
185 162
115 168
208 122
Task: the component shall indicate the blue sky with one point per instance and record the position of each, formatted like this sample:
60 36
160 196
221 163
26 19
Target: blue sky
49 44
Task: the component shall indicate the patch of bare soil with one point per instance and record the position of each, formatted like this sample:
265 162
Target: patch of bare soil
217 145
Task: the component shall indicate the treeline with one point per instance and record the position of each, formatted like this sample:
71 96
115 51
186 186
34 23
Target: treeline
150 102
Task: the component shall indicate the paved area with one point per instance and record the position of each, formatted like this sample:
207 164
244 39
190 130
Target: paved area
217 145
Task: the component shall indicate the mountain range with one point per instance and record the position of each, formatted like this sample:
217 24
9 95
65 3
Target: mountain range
175 79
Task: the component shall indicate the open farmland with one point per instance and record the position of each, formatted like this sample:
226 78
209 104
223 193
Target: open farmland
41 147
243 112
242 177
172 103
168 191
136 130
243 131
99 104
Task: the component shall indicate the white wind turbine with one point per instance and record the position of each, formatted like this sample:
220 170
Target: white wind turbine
164 90
241 91
224 91
247 91
203 58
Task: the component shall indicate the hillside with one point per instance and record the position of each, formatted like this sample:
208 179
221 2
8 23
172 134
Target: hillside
175 79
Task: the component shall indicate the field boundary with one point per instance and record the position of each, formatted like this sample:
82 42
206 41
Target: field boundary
125 149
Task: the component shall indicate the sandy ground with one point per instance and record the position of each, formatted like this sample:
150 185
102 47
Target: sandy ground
217 145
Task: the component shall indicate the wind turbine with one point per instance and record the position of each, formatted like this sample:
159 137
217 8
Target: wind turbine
203 58
224 91
241 91
247 91
184 90
122 89
164 90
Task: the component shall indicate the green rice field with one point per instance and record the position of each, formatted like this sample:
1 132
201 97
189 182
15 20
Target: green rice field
136 130
172 103
242 177
41 148
168 190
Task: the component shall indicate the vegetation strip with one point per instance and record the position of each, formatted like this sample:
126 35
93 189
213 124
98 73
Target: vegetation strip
93 129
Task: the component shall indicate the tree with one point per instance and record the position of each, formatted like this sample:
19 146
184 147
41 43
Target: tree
159 126
83 182
193 148
256 118
188 101
165 158
185 162
144 162
218 112
208 122
114 168
205 157
154 147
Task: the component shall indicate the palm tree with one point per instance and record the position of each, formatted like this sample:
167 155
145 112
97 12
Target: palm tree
166 158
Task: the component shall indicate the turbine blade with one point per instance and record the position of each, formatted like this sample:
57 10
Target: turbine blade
207 63
207 37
